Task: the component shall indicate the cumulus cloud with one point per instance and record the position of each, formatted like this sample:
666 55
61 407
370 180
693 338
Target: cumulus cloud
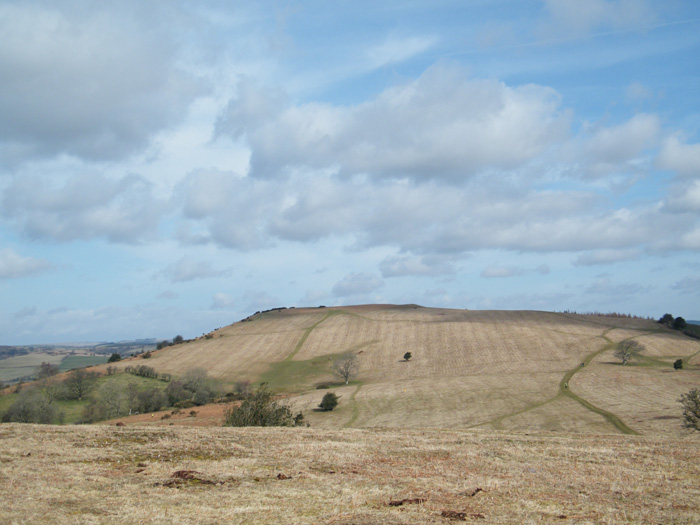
357 284
83 207
14 265
442 125
189 269
85 79
680 157
430 219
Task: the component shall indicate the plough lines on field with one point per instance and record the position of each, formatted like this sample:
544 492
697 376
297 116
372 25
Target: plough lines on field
565 391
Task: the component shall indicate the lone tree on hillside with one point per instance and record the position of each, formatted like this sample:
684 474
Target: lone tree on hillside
329 402
345 367
114 358
627 350
79 383
407 356
691 409
678 364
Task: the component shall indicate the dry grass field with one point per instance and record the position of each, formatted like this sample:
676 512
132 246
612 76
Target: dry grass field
493 419
137 474
514 370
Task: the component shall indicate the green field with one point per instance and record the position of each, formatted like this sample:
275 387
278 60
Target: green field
81 361
13 368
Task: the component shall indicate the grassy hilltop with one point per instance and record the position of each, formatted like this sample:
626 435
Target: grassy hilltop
500 370
522 432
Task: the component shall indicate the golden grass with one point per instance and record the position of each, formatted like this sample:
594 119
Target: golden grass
103 474
492 369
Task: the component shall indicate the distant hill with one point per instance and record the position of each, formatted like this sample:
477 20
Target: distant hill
487 369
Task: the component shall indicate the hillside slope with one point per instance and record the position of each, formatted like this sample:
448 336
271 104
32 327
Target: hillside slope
511 370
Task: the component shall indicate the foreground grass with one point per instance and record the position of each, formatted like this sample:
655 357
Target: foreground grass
102 474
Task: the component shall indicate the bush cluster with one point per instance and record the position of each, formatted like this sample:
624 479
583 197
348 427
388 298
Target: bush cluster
261 410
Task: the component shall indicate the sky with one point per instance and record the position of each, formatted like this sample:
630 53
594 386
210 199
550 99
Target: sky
171 167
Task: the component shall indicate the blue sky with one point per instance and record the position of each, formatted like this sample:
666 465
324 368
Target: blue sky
171 167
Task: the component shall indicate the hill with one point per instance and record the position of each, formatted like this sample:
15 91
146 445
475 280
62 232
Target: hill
498 370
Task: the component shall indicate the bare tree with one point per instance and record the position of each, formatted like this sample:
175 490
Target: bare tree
346 367
45 370
627 350
691 409
79 383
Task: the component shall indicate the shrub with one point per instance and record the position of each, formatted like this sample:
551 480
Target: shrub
678 364
260 410
329 402
31 406
407 356
691 409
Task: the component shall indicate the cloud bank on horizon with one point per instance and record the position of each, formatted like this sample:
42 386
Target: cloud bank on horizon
170 167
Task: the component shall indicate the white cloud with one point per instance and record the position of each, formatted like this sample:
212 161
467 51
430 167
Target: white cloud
222 301
357 284
14 265
189 269
574 18
85 79
397 49
682 158
495 271
604 286
83 207
688 285
637 92
625 141
401 266
605 257
684 197
441 126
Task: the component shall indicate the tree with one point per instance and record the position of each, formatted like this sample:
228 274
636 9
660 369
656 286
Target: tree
679 323
329 402
691 409
31 406
261 410
666 319
45 370
177 339
114 358
678 364
627 350
407 356
79 383
345 367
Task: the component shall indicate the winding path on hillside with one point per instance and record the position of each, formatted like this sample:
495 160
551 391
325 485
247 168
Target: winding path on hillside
565 391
